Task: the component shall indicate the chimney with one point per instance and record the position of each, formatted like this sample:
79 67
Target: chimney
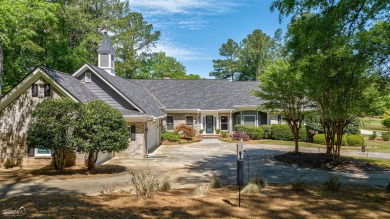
106 55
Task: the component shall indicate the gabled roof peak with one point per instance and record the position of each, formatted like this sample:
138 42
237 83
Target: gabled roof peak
106 46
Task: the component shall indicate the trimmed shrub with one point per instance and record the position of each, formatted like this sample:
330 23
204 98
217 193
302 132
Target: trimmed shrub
185 131
170 136
239 136
240 128
266 130
373 136
386 136
302 136
254 132
320 139
355 140
281 132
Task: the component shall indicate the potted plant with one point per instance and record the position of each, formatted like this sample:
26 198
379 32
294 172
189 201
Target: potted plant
201 131
218 131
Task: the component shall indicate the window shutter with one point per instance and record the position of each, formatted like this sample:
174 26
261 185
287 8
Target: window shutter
34 89
279 119
47 90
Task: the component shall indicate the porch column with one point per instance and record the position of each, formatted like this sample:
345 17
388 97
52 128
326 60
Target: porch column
230 123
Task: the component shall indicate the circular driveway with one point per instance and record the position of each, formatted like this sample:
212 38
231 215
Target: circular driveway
190 164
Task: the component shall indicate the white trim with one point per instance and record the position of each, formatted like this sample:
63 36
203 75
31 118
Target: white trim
220 124
26 84
86 65
88 79
173 123
41 155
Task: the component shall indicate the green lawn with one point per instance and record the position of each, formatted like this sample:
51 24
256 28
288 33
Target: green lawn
373 124
379 162
372 145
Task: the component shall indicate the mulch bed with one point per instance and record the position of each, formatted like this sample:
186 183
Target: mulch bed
325 161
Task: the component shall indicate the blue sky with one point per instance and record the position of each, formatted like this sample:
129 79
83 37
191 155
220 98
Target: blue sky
194 30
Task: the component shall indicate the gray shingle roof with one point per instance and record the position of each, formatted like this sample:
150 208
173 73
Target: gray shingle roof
135 92
202 94
71 84
106 46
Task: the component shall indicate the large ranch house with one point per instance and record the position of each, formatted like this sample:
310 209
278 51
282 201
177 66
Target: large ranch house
148 106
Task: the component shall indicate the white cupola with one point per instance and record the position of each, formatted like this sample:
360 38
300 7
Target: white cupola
106 55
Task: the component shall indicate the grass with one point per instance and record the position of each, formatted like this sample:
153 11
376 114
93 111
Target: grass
371 145
376 161
373 124
276 201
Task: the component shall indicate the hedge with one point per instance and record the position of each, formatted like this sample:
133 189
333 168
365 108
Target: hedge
266 130
283 132
254 132
320 139
355 140
386 136
171 136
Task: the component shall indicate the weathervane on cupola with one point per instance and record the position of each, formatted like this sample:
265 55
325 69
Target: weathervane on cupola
106 55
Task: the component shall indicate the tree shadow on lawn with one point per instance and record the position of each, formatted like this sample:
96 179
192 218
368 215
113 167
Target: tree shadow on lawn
79 170
261 164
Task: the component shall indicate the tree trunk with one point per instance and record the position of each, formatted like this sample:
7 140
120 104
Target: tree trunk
91 160
1 68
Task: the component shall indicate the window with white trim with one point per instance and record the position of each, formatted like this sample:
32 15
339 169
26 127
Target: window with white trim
88 77
249 120
42 152
169 122
224 123
190 120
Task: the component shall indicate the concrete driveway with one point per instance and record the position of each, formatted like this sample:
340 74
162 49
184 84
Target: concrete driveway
187 165
192 164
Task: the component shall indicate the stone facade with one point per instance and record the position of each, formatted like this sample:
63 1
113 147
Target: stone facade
136 148
15 118
180 118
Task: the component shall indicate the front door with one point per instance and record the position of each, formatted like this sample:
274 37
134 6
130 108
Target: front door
209 124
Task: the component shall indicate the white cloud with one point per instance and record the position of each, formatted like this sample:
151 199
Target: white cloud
180 52
163 7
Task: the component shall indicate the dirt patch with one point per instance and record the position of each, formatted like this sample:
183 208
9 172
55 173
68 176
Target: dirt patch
48 173
325 161
276 201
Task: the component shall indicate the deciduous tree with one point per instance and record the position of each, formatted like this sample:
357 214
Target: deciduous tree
284 92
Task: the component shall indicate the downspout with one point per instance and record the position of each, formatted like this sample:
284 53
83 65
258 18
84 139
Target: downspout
146 139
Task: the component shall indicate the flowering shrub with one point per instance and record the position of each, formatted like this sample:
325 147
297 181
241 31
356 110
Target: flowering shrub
185 131
239 136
